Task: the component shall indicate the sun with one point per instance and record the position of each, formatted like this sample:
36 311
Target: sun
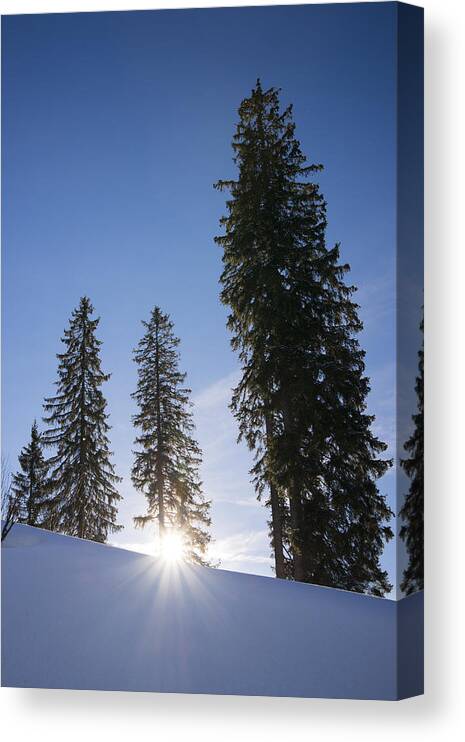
172 547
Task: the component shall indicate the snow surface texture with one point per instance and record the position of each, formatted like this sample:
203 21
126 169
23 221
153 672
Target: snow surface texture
76 614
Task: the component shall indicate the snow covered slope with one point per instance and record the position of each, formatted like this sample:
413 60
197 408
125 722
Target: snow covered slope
76 614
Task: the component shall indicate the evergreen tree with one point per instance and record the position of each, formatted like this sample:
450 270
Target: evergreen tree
301 401
11 503
167 457
82 475
412 532
30 485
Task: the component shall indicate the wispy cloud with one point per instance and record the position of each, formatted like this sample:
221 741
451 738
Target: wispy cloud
246 551
239 520
245 503
217 395
226 464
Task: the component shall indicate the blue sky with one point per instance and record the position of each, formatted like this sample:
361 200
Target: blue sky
115 127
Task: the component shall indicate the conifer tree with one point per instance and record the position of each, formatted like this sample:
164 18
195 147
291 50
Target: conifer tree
412 510
167 458
11 503
82 476
31 485
301 400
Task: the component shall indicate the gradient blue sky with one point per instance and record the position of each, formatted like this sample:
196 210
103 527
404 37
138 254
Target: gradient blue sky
115 127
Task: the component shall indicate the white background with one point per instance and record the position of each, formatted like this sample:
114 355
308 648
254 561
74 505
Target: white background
54 715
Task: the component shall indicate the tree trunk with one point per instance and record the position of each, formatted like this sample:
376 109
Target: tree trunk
161 473
295 505
276 517
82 433
161 514
30 520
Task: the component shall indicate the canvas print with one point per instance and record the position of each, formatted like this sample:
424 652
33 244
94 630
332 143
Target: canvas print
212 455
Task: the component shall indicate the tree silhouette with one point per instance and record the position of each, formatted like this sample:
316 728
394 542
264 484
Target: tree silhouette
412 532
31 484
301 400
82 476
167 457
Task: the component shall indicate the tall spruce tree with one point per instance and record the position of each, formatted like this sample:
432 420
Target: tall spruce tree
301 401
412 532
82 476
167 458
30 485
